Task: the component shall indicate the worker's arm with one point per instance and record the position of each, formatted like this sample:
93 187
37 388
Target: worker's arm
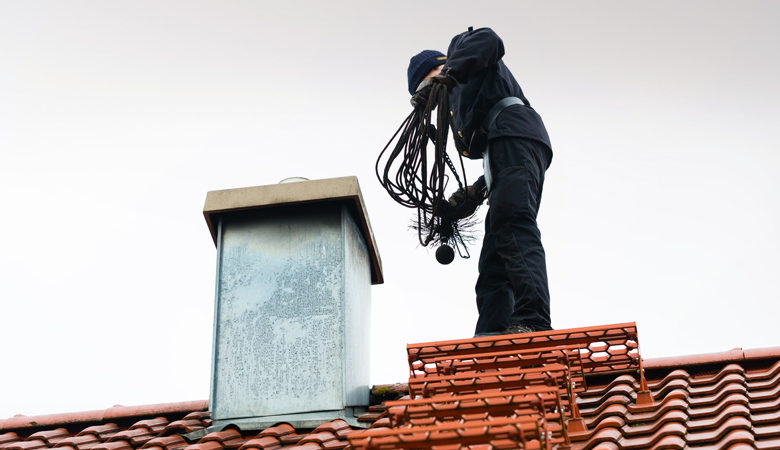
471 52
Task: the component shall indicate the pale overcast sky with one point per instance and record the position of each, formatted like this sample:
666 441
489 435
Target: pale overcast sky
116 117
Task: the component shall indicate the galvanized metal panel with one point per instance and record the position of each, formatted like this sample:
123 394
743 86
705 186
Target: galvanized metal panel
291 313
357 278
279 345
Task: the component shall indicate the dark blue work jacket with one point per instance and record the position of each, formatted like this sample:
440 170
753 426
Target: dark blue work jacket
474 60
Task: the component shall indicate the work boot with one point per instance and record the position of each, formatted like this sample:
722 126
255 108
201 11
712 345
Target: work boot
489 333
517 328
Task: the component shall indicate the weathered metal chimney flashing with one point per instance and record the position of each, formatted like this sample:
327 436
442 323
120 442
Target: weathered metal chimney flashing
295 262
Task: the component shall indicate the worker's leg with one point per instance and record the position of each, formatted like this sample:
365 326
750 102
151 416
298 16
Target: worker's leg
518 171
495 296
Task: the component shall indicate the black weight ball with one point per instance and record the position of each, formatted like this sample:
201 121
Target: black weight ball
445 254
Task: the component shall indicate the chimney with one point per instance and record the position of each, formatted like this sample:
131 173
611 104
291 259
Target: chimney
295 262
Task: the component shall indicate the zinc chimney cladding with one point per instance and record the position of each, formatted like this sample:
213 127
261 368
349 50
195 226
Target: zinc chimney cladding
295 262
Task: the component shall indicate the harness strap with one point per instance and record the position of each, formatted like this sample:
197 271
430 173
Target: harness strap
490 119
500 105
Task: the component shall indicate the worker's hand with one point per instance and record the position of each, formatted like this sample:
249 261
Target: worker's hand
466 201
446 80
420 97
471 193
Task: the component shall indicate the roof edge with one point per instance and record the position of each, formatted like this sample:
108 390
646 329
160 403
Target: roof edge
729 356
100 415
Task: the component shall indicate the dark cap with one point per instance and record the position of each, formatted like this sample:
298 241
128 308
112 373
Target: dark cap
421 64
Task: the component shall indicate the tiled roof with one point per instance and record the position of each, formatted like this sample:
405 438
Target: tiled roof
162 433
581 389
728 404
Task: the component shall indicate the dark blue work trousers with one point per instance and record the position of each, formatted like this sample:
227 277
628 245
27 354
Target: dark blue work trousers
512 284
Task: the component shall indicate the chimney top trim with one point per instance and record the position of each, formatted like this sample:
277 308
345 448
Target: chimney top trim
286 194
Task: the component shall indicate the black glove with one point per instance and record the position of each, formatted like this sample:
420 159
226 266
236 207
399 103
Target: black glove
470 194
420 97
446 80
466 201
475 192
481 185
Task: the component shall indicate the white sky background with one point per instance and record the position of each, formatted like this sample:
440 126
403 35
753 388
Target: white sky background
661 204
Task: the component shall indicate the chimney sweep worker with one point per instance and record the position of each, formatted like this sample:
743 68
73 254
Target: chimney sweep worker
492 120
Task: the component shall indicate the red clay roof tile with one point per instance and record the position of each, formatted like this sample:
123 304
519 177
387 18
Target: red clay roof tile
80 442
333 426
383 422
670 442
321 437
9 437
278 431
182 426
199 415
117 445
335 444
166 442
631 430
267 442
306 446
369 417
650 441
102 432
50 437
290 439
153 425
768 444
229 439
211 445
715 435
606 434
137 437
709 423
25 445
